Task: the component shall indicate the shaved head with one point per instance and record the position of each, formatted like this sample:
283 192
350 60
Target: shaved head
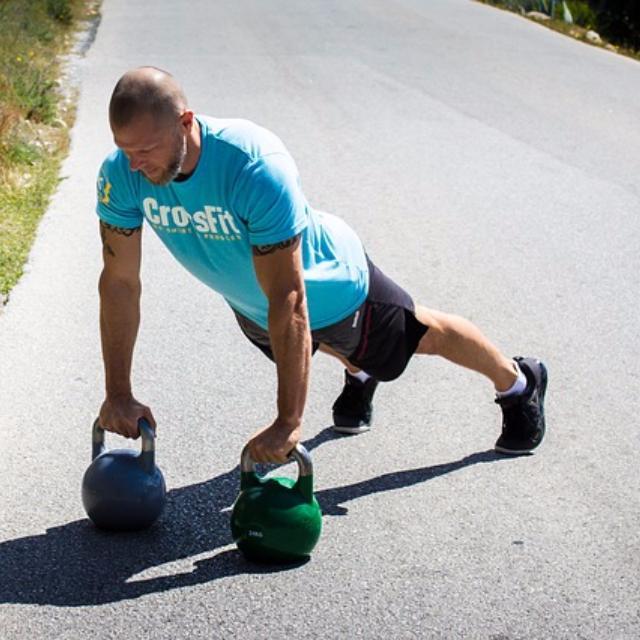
142 91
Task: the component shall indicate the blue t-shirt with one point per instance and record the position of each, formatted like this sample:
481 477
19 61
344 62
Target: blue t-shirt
245 190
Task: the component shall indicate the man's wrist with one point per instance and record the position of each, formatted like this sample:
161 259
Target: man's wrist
287 424
119 394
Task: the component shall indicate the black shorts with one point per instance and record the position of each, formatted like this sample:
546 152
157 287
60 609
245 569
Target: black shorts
379 337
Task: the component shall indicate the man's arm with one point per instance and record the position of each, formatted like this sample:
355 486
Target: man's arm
279 272
120 289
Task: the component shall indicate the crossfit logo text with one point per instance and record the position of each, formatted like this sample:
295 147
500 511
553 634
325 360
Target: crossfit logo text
213 223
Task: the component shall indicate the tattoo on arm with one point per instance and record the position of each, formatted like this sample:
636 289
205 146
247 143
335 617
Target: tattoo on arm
265 249
120 230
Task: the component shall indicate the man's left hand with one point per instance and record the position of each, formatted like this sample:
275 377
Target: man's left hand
274 443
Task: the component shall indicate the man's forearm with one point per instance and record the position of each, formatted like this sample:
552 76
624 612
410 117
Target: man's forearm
119 322
291 345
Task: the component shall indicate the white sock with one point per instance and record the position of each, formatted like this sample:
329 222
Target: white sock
517 387
363 376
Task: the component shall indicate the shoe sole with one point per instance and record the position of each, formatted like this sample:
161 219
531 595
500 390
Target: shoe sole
522 452
514 452
351 430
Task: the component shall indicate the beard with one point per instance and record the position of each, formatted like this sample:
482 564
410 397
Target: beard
171 171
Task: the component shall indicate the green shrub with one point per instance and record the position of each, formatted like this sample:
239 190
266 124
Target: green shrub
60 10
583 15
21 153
34 89
527 5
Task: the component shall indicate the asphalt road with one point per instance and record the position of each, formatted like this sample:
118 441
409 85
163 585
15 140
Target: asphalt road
492 167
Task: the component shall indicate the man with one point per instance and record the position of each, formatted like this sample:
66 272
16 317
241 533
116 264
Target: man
224 196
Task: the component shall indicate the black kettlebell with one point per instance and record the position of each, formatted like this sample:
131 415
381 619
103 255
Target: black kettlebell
123 490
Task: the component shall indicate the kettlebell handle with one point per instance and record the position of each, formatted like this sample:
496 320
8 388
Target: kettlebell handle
147 456
299 454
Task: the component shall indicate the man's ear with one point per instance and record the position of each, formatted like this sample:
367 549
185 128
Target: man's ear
186 120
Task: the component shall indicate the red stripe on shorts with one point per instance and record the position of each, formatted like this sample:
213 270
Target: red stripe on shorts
365 329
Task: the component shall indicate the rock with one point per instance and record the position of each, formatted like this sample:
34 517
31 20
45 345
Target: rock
611 48
537 15
593 37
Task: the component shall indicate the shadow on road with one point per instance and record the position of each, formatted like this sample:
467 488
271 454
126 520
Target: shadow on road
78 565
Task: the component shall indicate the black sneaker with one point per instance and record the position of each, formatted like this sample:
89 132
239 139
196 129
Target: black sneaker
352 410
523 424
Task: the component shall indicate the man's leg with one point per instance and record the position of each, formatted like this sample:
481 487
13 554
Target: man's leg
449 336
324 348
461 342
520 383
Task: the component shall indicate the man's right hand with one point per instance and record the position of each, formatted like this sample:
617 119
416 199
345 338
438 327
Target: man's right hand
121 415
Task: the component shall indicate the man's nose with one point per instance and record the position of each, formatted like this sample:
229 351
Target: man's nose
134 163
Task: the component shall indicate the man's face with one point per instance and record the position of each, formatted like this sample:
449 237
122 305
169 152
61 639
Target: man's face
157 149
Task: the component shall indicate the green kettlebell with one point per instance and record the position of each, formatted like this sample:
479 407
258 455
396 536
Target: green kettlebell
276 520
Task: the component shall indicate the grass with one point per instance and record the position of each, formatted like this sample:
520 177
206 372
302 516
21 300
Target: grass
20 212
577 31
34 119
